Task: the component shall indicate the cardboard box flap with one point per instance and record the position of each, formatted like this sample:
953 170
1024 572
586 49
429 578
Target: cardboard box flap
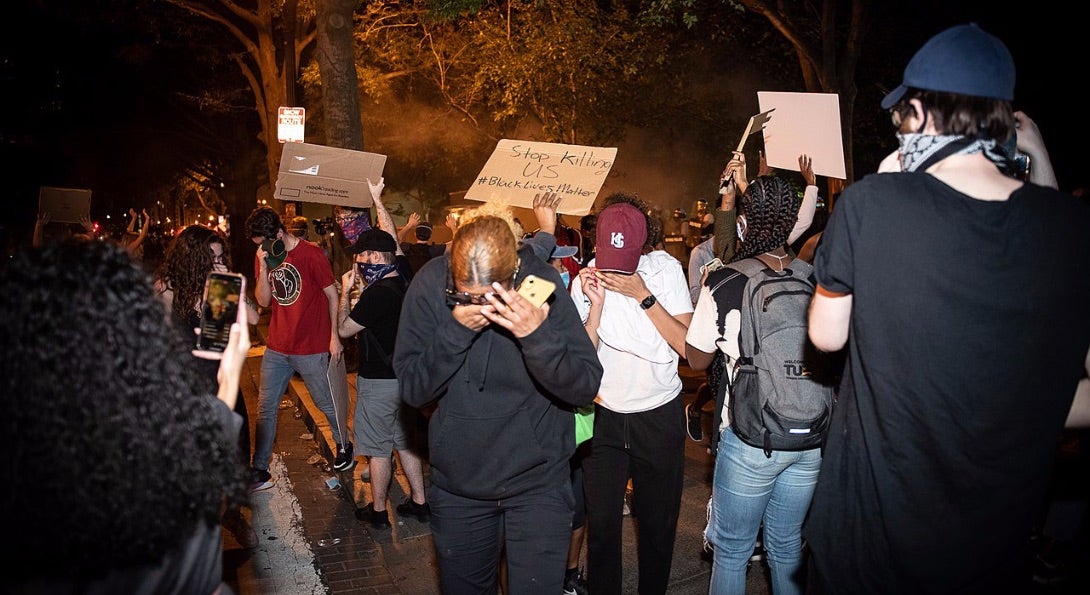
328 175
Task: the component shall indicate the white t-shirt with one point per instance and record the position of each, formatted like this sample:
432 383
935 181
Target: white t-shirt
704 335
639 366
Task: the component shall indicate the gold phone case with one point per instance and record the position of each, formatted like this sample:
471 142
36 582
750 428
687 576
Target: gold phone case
536 290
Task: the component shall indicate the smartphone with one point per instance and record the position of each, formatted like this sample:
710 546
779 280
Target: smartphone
714 265
536 290
222 296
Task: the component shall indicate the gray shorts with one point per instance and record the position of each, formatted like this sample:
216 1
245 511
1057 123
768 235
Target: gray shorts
378 426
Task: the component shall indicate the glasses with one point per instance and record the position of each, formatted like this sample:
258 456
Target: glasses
464 298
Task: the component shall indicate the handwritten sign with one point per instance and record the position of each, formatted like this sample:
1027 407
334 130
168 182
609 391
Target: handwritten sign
518 170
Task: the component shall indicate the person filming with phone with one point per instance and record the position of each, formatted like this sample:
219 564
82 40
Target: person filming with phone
505 376
147 461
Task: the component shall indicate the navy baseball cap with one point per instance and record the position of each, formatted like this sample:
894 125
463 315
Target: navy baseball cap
963 59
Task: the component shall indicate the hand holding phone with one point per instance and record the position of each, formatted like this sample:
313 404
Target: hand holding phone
220 307
536 290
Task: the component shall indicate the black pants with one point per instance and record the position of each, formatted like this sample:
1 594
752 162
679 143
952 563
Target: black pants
650 447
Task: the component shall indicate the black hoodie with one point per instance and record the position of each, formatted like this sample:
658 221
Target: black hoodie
504 423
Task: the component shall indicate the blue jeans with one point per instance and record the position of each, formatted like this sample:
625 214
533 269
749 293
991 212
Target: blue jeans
748 489
276 371
535 528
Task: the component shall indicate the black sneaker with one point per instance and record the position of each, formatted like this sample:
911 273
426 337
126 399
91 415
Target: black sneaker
409 508
379 519
344 461
692 423
574 583
260 479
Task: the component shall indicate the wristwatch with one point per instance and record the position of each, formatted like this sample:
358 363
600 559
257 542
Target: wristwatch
648 302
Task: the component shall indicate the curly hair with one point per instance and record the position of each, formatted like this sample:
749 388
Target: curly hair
264 222
484 250
771 208
187 262
112 459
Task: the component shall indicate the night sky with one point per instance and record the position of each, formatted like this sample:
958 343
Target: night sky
83 107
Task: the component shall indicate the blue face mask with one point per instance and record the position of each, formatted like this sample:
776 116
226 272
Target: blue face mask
566 278
373 272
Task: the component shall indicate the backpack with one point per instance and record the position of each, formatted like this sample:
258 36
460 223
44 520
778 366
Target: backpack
780 396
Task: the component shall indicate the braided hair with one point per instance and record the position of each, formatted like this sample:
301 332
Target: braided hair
771 208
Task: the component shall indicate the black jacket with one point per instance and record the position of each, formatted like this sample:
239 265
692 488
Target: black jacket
504 424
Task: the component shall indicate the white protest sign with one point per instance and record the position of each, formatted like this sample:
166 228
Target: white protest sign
805 123
518 170
290 124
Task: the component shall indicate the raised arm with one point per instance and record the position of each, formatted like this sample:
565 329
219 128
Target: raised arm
809 199
385 221
410 225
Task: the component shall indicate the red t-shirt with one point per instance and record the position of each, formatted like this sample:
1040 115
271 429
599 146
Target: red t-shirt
300 322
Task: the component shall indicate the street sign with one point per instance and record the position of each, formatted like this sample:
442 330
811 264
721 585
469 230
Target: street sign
290 123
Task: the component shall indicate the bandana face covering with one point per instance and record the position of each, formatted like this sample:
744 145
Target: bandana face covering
355 226
921 151
373 272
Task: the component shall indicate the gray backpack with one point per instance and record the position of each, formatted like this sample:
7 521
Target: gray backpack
780 397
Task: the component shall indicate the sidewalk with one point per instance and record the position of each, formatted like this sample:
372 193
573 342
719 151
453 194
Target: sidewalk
406 551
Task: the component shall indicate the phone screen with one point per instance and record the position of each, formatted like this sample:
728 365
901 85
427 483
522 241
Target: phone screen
222 292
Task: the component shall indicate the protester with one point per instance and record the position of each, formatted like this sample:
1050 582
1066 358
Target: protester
179 284
129 501
294 279
135 233
505 376
959 292
748 486
421 249
379 425
635 305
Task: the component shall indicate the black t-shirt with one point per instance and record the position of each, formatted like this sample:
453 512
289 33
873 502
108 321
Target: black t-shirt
378 310
969 330
417 254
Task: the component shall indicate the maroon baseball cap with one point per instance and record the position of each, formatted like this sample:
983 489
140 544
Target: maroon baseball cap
621 234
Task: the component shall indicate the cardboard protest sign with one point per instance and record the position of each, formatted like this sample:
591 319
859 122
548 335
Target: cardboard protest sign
64 205
518 170
805 123
327 175
756 124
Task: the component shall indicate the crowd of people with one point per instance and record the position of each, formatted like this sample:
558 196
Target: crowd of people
945 316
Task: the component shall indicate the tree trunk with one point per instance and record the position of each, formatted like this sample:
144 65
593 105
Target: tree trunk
340 94
337 65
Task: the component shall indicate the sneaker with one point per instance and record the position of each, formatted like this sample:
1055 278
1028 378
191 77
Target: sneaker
379 519
260 479
344 460
758 552
409 508
574 583
692 423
